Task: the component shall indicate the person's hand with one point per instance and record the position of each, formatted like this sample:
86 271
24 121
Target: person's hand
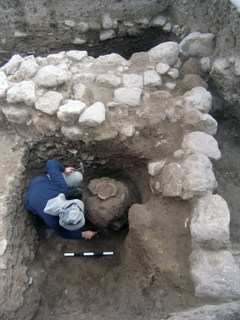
87 235
69 170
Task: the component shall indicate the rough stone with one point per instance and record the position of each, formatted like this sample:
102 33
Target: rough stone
129 95
191 81
93 115
210 222
107 34
192 66
201 142
159 21
132 80
56 58
108 80
50 102
112 59
198 178
18 115
51 76
151 78
162 68
84 77
83 27
167 27
76 55
172 180
22 92
45 126
27 69
196 120
79 90
221 69
3 84
70 111
215 274
166 52
107 22
199 99
154 167
12 65
197 44
173 73
206 64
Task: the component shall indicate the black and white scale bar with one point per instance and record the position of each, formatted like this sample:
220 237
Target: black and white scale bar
89 254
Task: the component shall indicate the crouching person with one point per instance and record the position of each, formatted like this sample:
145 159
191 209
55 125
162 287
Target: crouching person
47 197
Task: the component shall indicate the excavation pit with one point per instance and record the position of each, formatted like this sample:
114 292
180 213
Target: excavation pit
143 119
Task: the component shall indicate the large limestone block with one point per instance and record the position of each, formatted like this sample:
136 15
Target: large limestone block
215 273
210 222
129 95
93 115
27 69
12 65
166 52
46 126
19 115
112 59
201 142
23 91
3 84
107 201
70 111
199 99
172 180
197 44
56 58
52 76
198 178
196 120
132 80
50 102
76 55
151 78
108 80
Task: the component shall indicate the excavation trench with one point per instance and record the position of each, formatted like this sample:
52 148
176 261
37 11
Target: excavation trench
148 276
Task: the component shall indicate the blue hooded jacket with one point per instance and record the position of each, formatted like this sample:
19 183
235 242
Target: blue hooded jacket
47 187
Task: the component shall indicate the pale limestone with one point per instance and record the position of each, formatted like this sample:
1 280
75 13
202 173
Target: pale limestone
70 111
215 273
50 102
76 55
197 44
128 95
4 85
166 52
203 143
79 90
132 80
154 167
18 115
93 115
52 76
162 68
108 80
196 120
151 78
171 180
12 65
210 222
23 91
199 99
